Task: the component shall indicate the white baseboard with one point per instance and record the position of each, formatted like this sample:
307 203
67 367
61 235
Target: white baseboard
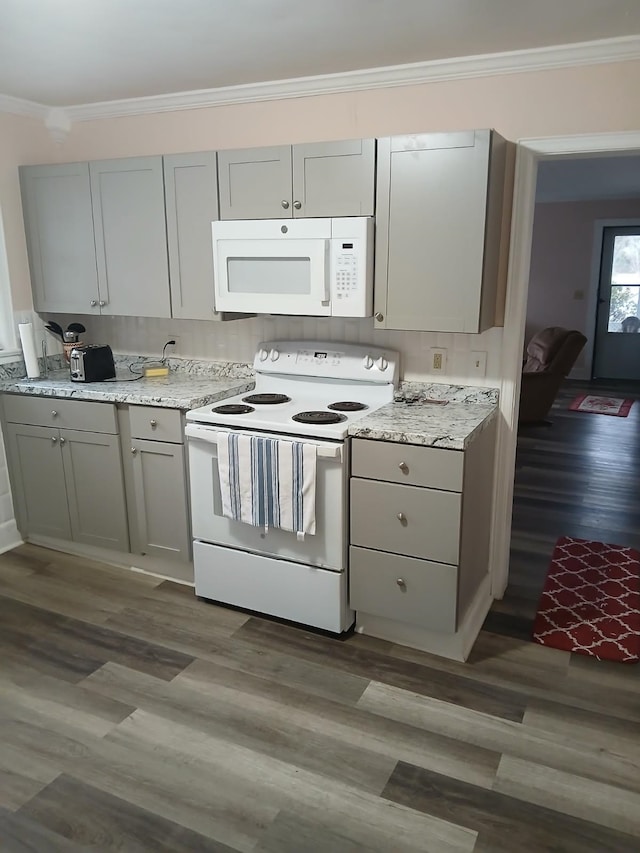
9 536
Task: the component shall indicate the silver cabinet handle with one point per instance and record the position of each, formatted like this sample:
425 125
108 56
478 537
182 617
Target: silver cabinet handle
53 439
93 303
401 517
401 583
63 440
297 205
403 467
154 423
134 450
285 204
379 317
102 303
54 414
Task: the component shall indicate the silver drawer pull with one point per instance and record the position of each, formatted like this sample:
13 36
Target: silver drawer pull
134 450
54 414
402 583
403 467
402 518
53 439
153 423
62 440
297 205
285 203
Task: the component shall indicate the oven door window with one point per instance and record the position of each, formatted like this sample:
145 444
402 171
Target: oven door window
273 276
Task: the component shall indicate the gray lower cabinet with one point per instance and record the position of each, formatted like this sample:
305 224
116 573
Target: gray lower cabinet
127 197
320 179
420 522
68 483
56 203
157 483
439 226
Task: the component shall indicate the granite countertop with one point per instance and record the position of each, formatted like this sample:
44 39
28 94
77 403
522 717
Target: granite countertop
432 415
189 384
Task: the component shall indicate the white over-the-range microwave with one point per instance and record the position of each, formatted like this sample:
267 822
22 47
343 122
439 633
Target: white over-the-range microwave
313 267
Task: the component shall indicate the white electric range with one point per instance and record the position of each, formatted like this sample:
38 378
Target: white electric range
310 392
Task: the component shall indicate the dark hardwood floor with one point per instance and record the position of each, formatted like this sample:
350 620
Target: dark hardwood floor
577 476
134 717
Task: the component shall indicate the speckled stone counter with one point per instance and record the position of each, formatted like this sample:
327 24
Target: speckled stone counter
431 414
189 384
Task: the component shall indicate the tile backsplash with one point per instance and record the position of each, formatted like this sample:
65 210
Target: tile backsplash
236 340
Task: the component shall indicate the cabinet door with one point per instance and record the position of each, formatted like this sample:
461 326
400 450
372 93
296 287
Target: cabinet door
191 197
430 236
255 183
160 486
131 242
38 478
334 178
95 489
58 219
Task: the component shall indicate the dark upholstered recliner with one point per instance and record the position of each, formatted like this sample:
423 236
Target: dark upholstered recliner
550 356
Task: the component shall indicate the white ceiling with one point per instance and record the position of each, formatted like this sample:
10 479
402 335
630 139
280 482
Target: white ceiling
66 52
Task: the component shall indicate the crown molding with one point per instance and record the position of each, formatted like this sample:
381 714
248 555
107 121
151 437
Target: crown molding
511 62
21 107
440 70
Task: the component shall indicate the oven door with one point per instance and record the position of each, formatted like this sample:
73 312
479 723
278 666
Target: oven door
327 548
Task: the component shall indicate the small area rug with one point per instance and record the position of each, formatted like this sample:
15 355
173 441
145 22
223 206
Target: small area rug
594 405
591 601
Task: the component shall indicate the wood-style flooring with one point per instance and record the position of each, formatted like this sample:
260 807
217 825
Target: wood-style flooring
134 717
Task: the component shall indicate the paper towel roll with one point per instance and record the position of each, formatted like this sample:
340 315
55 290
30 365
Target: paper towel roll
28 341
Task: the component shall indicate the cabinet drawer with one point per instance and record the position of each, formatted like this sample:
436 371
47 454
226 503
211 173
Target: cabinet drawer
406 520
403 589
409 464
156 424
64 414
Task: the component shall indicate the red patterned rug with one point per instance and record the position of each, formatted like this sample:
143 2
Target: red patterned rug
594 405
591 601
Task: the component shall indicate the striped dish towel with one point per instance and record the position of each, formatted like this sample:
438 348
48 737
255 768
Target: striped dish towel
268 482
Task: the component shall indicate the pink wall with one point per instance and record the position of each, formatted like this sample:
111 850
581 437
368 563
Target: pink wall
561 257
519 105
22 140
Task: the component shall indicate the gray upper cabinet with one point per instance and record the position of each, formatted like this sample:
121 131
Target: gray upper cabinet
58 218
131 244
191 196
315 179
439 223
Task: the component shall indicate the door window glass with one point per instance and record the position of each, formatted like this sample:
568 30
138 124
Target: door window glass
624 307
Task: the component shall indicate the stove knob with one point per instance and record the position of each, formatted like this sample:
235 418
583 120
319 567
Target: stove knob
263 355
275 355
382 363
368 362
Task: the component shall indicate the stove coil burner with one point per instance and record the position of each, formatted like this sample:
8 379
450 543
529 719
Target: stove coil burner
233 409
319 418
347 406
266 399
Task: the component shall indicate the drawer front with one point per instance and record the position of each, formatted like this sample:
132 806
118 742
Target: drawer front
64 414
406 520
409 464
404 589
156 424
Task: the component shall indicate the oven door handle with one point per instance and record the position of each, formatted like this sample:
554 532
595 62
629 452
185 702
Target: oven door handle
210 435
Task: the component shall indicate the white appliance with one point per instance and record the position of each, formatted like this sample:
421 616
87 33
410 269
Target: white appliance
306 391
313 267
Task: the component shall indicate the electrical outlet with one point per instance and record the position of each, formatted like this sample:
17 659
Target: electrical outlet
478 363
438 360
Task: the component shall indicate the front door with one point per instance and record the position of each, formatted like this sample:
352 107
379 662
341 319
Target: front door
617 343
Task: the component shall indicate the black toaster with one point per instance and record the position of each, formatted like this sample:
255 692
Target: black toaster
91 364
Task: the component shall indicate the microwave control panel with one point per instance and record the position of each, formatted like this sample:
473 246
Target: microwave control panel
351 267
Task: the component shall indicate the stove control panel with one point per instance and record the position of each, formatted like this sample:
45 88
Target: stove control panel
325 359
